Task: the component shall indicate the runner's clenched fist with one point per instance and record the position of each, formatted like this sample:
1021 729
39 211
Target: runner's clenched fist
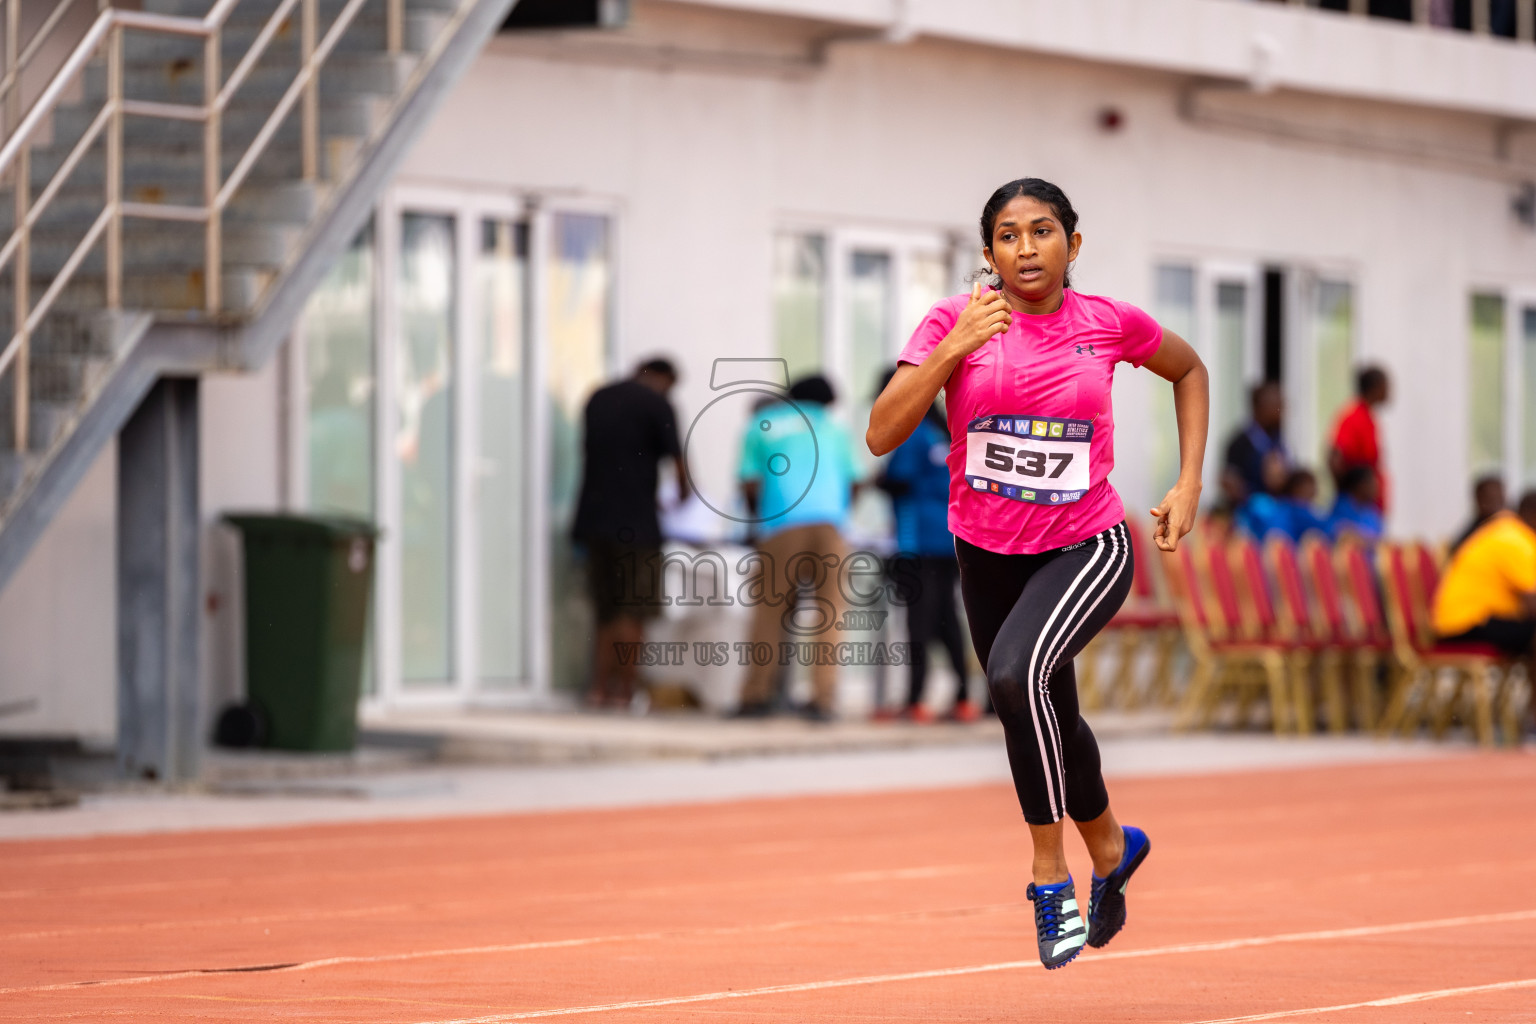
985 317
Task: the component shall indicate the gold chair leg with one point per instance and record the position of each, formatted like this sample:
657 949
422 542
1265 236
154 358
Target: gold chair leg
1396 711
1509 698
1301 694
1442 711
1195 696
1162 674
1330 676
1088 675
1123 691
1482 704
1365 668
1279 699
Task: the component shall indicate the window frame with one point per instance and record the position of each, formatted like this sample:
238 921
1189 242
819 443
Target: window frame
468 206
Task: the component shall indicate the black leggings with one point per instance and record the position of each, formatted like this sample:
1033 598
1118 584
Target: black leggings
1030 615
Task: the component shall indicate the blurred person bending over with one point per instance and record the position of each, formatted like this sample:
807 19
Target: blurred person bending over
1357 509
1255 444
1356 440
925 568
1488 592
799 535
628 428
1488 500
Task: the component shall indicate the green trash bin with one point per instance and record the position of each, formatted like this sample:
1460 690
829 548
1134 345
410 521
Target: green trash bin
307 586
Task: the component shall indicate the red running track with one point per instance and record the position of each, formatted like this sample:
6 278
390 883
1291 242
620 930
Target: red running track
1388 892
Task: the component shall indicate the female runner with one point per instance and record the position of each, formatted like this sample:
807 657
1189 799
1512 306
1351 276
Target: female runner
1045 556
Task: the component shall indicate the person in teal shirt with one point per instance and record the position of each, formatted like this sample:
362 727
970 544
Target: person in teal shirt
798 478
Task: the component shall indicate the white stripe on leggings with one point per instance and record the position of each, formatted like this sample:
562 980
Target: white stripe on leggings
1117 560
1041 735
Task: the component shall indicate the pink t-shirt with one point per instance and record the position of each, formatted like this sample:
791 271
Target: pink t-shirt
1026 411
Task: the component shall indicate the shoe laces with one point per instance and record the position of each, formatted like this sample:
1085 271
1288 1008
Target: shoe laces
1048 913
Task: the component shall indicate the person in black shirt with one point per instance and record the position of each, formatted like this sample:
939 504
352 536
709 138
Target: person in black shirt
628 428
1488 500
1243 472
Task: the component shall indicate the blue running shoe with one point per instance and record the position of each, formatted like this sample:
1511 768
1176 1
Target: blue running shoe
1106 903
1058 923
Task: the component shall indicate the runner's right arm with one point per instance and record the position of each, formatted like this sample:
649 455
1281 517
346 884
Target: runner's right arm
907 398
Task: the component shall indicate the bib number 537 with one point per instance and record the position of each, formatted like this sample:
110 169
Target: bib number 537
1025 462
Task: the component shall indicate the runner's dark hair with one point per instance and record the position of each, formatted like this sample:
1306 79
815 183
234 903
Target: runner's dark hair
1035 188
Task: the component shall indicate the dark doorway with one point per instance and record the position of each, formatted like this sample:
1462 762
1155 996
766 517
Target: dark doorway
1274 323
567 14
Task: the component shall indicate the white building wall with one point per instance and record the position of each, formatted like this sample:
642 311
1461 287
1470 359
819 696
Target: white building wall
58 620
703 162
58 614
241 470
703 156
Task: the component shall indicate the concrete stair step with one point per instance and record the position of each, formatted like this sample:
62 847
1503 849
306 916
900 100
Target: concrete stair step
291 202
66 379
167 81
171 173
253 10
15 467
168 292
46 420
340 114
160 247
365 34
70 334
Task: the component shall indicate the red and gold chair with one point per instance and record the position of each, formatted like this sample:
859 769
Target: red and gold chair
1146 614
1301 624
1231 653
1342 626
1407 574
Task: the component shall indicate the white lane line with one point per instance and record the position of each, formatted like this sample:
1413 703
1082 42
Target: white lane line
1411 997
467 867
522 947
1011 965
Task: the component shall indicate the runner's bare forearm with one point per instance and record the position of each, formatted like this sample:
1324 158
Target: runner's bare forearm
1192 411
1176 361
907 398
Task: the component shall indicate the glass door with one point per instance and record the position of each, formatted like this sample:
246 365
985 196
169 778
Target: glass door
423 445
1525 401
577 349
1175 292
1333 339
501 465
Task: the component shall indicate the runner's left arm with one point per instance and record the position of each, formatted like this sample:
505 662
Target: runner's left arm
1176 361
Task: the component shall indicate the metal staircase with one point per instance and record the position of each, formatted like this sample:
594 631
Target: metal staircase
176 190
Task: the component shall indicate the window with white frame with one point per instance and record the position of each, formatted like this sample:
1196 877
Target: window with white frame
1333 347
1501 356
443 401
845 301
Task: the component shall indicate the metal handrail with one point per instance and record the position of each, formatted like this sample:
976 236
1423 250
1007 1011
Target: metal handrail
218 190
17 57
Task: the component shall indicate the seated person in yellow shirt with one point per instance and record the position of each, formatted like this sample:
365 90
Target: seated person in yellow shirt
1488 592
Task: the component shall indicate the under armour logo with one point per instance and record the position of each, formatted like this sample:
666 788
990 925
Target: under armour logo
1088 347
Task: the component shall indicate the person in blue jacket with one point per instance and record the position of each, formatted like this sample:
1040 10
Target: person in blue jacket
925 567
1356 510
1287 510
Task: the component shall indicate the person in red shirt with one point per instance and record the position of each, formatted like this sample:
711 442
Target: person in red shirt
1356 441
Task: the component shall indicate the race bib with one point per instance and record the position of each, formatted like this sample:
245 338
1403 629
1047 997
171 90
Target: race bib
1043 461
